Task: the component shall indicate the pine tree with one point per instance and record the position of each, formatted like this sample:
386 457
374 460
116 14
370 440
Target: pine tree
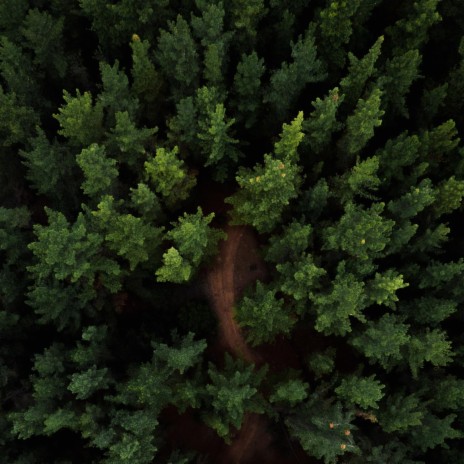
322 122
247 88
336 28
48 165
16 120
178 57
126 141
169 177
146 80
266 190
195 241
208 28
360 125
364 392
43 34
263 315
116 95
287 82
383 340
232 392
400 72
345 298
322 427
80 119
129 236
412 31
360 70
100 171
361 233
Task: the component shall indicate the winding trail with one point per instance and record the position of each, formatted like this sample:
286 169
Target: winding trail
237 265
226 281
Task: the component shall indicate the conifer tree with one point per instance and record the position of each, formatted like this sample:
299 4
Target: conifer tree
412 30
169 176
361 124
322 122
178 57
194 241
336 29
231 393
288 81
359 72
263 315
247 88
266 190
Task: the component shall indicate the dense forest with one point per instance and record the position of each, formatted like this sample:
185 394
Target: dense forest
232 231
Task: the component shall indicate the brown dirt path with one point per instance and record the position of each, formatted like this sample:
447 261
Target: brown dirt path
237 265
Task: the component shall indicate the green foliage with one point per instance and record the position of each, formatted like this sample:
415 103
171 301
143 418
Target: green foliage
186 354
194 240
80 120
145 201
322 427
361 233
430 346
115 95
361 124
175 268
121 122
291 392
127 140
16 68
146 81
169 176
65 251
322 363
16 120
99 170
48 164
84 384
400 412
247 87
322 121
345 298
336 28
289 245
449 196
400 72
266 190
383 340
263 315
215 140
411 203
411 31
434 431
245 17
43 34
287 82
300 278
177 55
429 310
208 28
232 392
362 180
397 155
127 235
382 289
359 72
364 392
